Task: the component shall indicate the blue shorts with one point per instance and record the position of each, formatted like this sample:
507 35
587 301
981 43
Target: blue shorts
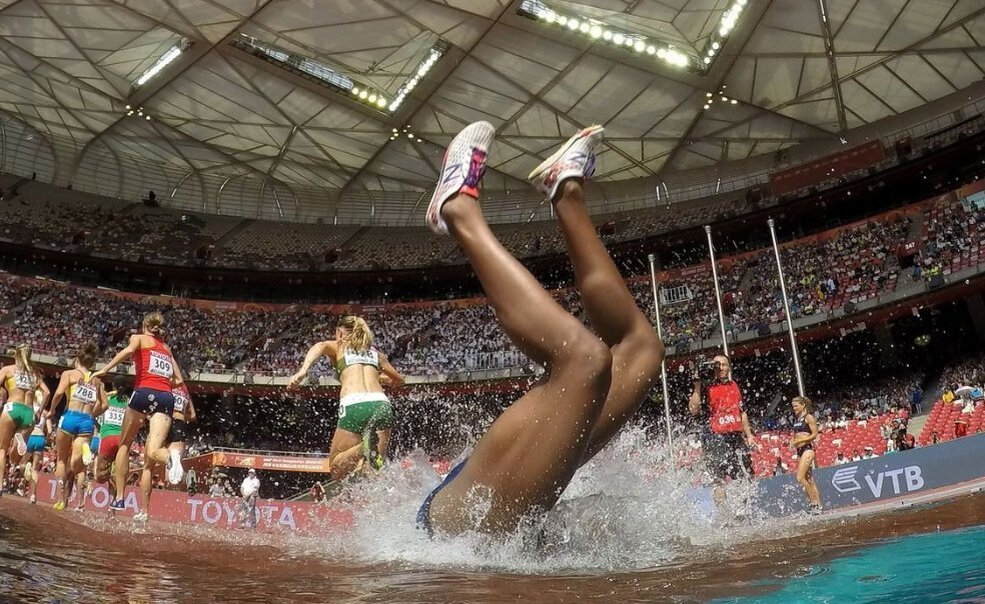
149 401
77 423
94 445
35 444
424 513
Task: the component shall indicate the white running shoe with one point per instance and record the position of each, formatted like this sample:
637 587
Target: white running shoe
574 159
175 471
461 170
86 454
140 517
21 444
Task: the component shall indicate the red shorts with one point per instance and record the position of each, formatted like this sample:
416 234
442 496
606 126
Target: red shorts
108 447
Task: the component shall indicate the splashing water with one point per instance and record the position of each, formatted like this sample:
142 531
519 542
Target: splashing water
623 511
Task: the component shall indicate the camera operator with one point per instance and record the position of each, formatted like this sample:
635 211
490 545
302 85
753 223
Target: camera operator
726 436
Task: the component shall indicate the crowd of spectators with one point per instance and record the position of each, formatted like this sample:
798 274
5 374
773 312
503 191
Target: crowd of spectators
823 273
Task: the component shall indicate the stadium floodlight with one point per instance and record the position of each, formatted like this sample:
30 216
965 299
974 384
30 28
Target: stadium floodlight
594 30
316 71
163 61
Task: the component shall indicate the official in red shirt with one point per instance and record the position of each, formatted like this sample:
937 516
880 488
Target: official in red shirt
727 435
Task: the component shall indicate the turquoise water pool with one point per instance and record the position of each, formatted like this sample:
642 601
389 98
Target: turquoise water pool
947 566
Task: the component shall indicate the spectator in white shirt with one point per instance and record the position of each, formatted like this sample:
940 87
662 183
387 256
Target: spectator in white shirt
250 490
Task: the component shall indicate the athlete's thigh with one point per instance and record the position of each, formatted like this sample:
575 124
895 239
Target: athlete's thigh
528 455
157 430
7 428
343 440
133 421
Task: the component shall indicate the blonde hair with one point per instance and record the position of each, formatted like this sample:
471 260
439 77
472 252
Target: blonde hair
154 323
22 359
87 354
357 336
806 402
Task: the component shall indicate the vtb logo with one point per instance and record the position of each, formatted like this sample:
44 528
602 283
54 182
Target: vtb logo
844 481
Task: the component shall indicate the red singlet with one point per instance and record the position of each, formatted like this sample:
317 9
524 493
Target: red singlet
725 407
154 367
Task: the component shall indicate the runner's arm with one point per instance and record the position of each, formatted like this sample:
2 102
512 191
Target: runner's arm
317 351
121 356
395 377
694 402
63 383
191 416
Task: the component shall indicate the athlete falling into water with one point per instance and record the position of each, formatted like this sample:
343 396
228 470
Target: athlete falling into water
156 374
21 381
76 426
527 457
365 415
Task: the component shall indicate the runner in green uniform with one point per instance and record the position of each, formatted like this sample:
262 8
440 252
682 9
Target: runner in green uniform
365 414
111 425
17 420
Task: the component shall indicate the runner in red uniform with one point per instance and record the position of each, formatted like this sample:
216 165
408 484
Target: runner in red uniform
156 374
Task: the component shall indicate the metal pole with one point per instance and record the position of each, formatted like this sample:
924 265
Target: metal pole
663 362
786 309
718 292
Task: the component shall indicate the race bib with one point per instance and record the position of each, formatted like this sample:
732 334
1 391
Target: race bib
114 416
160 364
23 381
370 357
84 393
179 402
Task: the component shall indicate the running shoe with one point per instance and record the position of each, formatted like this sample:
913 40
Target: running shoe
28 472
140 517
118 505
21 444
574 159
175 471
59 506
86 454
34 499
461 170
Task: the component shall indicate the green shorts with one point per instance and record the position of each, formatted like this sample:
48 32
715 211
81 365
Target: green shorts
22 415
359 417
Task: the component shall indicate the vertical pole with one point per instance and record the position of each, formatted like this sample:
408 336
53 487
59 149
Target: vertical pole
786 309
663 362
718 291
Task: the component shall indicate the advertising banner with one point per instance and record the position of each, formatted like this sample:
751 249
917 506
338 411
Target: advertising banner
283 463
881 478
176 507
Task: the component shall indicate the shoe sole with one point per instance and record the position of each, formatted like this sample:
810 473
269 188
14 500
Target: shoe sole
21 445
550 161
471 134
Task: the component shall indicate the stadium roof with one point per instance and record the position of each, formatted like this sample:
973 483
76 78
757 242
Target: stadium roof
256 115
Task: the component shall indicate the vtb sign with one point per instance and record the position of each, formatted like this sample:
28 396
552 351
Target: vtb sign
903 480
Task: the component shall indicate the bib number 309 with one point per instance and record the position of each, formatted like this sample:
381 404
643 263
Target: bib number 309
160 364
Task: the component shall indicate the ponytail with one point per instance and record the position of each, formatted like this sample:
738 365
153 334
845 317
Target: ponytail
22 359
154 324
357 335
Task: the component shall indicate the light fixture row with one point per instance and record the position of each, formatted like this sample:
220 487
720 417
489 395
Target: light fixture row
406 131
598 31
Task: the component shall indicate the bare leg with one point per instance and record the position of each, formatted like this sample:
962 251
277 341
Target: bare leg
63 466
6 435
636 350
154 454
525 460
132 422
344 453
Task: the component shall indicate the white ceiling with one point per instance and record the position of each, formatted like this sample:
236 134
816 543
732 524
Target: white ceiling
220 113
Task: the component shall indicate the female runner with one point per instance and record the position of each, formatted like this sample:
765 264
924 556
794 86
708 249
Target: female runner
76 425
184 414
36 443
593 384
804 434
156 374
111 425
20 381
365 414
